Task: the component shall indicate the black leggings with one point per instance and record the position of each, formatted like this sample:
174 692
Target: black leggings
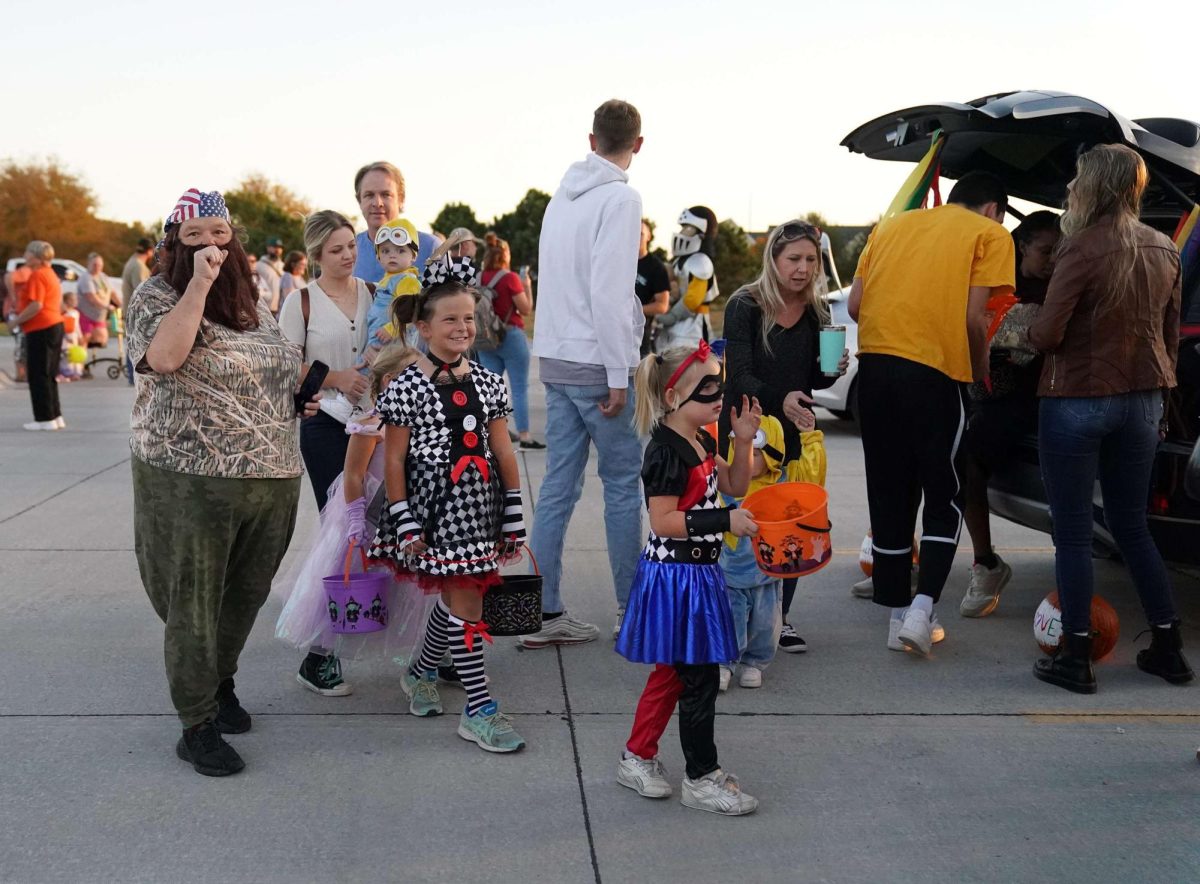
697 713
911 418
323 444
43 351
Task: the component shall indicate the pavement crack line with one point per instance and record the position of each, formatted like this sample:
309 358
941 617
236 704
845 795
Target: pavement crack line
587 819
34 506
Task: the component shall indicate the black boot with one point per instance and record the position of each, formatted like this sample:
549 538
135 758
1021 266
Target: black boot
231 717
1071 668
1164 657
202 747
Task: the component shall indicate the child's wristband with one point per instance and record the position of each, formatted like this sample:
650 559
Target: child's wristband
701 523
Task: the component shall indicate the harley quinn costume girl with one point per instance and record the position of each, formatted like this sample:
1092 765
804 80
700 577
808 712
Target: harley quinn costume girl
678 616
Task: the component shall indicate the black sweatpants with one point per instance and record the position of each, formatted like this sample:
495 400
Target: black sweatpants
43 351
323 444
912 418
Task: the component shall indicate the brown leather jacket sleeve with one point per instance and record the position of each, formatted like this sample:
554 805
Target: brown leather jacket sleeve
1171 319
1071 279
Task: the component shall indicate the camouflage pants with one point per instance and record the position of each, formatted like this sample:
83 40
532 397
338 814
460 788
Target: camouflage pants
207 549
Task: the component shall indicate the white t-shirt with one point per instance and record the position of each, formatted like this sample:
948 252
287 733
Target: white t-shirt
332 338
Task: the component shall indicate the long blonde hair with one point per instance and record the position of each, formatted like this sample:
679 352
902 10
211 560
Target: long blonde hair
1109 182
391 360
649 384
766 291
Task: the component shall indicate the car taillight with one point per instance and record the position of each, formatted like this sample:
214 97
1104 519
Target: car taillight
1160 503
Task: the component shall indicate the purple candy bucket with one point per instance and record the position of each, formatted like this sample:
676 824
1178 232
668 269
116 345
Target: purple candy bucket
358 603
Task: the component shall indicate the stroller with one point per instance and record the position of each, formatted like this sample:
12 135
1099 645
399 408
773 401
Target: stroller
116 328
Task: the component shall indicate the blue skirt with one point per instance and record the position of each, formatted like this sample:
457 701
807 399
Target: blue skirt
678 614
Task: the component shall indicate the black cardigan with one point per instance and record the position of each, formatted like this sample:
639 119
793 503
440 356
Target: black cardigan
792 364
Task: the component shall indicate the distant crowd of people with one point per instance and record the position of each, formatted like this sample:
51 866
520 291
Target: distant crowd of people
392 357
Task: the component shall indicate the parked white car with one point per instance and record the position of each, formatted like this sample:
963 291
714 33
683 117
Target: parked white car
842 397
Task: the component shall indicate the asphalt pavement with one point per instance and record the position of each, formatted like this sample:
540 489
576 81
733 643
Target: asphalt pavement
870 765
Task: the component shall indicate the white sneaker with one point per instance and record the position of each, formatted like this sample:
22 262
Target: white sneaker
646 776
617 625
36 426
726 677
717 792
562 630
937 633
916 632
751 677
983 592
62 424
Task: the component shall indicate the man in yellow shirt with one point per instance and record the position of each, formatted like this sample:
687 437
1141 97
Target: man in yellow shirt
919 296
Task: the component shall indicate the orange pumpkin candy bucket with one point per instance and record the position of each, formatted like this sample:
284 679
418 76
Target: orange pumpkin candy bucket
793 528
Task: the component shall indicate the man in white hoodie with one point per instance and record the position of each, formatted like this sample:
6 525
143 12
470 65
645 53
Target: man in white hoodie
588 331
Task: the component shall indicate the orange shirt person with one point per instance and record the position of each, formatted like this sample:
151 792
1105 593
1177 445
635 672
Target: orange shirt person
39 316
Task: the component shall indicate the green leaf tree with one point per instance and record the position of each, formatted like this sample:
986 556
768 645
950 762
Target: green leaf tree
264 208
455 215
738 260
522 227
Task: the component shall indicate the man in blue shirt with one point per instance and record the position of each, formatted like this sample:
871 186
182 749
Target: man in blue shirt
379 189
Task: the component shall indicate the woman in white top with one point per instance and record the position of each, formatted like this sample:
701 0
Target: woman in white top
335 332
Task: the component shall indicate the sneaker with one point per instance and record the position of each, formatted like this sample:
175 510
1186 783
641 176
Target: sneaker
490 729
936 633
231 718
983 592
323 675
726 677
916 632
448 675
617 625
646 776
62 424
751 677
717 792
35 426
422 693
532 445
562 630
790 642
201 746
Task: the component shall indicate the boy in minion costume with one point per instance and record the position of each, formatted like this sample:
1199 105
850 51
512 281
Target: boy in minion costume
754 596
396 245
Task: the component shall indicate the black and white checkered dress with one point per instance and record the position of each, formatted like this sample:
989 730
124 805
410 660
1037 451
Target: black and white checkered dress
453 483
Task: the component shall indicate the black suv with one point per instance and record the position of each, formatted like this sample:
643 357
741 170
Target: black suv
1031 139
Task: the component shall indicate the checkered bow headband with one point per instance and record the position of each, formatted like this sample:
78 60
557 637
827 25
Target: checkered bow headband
446 268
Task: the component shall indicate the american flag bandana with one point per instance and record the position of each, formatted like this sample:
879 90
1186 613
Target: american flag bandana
194 204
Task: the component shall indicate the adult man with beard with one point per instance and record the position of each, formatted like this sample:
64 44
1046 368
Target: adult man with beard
216 465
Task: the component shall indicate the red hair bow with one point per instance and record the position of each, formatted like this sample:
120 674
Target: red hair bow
701 354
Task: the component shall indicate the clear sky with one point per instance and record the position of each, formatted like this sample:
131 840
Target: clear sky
743 103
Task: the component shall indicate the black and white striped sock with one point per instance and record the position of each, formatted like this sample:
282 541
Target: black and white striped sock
436 641
469 665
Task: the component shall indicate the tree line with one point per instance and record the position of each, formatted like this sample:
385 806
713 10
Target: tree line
42 200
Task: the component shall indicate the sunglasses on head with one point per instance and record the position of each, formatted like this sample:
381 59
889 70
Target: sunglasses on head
798 230
397 235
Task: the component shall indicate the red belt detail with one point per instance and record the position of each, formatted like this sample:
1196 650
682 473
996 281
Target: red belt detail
470 630
463 462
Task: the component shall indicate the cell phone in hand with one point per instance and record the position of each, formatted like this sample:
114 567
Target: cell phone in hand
524 270
317 372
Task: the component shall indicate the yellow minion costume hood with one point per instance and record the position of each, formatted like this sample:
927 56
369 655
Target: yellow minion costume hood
400 231
768 440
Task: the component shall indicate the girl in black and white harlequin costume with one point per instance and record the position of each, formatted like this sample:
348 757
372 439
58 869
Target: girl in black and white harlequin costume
454 498
678 616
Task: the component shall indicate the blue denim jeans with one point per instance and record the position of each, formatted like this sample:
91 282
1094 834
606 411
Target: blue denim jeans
756 619
512 356
1113 438
573 423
